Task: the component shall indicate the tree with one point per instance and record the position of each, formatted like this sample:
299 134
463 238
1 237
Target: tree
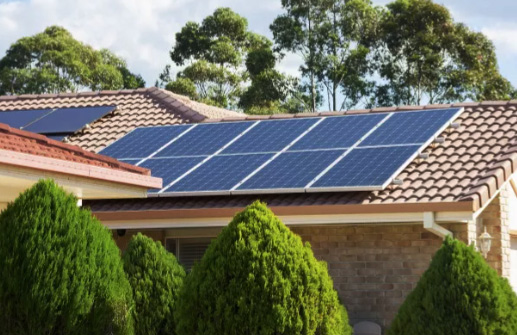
60 268
213 54
258 277
156 278
53 61
329 35
459 294
423 55
270 91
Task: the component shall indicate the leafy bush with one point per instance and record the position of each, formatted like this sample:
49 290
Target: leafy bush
156 278
60 270
459 294
258 277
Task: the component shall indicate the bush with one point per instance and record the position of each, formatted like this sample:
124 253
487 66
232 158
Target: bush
156 278
60 270
258 277
459 294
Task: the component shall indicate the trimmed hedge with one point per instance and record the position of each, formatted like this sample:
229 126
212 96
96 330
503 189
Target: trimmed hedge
459 294
156 278
258 277
60 268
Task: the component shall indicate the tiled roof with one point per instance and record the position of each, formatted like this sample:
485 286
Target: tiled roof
135 108
470 165
19 141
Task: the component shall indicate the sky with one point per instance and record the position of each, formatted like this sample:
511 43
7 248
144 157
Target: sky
142 31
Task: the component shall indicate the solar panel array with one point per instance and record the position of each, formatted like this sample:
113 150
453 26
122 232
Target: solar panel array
317 154
54 123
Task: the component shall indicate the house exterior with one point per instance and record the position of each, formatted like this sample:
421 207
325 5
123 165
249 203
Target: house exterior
26 157
376 243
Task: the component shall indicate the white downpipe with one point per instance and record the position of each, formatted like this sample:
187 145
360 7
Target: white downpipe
431 225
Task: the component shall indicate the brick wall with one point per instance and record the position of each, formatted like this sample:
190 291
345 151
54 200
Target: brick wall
495 218
374 267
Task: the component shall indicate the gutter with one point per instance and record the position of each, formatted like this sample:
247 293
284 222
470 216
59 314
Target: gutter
431 225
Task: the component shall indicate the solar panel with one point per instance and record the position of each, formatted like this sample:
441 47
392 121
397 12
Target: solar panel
338 132
57 137
170 168
220 173
291 170
366 168
320 154
205 139
409 127
20 118
67 120
142 142
270 136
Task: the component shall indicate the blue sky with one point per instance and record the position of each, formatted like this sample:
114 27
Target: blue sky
143 31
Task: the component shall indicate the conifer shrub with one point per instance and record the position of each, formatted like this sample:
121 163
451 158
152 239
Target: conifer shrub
60 270
258 277
156 278
459 294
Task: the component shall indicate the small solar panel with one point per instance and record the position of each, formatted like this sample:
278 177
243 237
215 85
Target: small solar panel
291 170
142 142
338 132
20 118
270 136
68 120
220 173
205 139
366 168
170 168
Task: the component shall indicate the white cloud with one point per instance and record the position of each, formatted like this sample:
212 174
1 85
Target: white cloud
142 32
504 38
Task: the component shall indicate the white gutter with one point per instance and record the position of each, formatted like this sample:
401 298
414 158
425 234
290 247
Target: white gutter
431 225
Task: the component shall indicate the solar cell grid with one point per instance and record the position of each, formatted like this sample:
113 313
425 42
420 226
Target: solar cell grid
368 167
291 170
338 132
270 136
205 139
142 142
409 127
170 168
220 173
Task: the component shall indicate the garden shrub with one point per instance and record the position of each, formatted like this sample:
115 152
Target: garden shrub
258 277
60 269
156 278
459 294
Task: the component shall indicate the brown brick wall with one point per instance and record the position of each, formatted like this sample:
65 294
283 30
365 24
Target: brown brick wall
374 267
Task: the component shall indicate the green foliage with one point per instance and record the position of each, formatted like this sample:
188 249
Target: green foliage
425 56
53 61
258 277
156 278
221 56
60 268
459 294
329 36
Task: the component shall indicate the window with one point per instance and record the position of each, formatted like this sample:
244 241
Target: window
188 250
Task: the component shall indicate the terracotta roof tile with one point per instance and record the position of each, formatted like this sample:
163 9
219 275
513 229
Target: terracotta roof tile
21 141
470 165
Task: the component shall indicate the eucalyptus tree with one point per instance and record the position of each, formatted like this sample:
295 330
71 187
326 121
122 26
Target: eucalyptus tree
53 61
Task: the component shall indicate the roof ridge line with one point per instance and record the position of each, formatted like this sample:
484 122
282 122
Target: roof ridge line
74 149
75 94
167 99
401 108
